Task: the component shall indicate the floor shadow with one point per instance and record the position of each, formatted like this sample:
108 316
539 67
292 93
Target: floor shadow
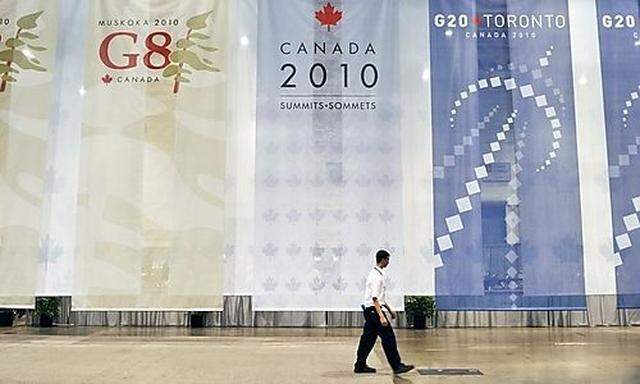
344 374
401 380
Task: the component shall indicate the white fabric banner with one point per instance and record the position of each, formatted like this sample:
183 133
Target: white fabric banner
28 35
241 140
57 237
328 161
152 164
419 262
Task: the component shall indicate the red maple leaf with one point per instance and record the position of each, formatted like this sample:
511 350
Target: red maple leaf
476 20
106 79
328 16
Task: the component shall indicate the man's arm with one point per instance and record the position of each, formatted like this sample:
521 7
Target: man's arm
383 318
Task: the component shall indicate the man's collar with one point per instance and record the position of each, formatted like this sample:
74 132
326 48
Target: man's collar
380 271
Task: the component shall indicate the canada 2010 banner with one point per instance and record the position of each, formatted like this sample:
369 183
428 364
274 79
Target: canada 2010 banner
28 33
328 166
151 193
619 27
506 188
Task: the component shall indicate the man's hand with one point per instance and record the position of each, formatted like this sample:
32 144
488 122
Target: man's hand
391 312
384 321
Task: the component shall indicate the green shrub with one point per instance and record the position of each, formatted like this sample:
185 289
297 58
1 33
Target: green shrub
47 306
420 305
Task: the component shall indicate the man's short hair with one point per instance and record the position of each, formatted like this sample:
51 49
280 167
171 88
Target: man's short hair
381 255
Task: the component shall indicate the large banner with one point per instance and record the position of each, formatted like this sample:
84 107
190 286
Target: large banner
506 191
619 41
151 194
328 165
57 245
28 32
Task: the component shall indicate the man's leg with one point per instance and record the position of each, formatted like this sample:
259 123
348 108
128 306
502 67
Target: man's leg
390 346
367 340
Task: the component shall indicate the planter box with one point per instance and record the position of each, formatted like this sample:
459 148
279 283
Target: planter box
46 321
197 321
6 318
419 322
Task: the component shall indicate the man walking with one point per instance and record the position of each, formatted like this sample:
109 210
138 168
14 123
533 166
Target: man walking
376 321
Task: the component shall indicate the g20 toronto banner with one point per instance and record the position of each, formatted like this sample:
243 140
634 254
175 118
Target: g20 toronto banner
328 165
619 41
28 32
506 192
151 195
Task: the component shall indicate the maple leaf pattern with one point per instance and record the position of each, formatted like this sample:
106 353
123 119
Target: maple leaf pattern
293 284
363 215
340 215
339 252
385 181
269 284
270 250
317 284
271 181
340 284
316 252
328 16
270 215
316 215
386 216
106 79
293 215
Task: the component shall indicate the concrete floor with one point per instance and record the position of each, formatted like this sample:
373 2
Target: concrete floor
179 355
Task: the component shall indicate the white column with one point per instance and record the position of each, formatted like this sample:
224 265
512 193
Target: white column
597 232
241 139
418 261
59 210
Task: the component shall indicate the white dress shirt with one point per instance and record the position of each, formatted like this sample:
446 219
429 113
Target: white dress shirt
375 288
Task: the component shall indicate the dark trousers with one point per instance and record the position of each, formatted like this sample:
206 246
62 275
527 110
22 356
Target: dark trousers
370 332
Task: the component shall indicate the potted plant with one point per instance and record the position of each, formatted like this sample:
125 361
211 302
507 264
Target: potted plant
6 317
418 309
196 319
47 310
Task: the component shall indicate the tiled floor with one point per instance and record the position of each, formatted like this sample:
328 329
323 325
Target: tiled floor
178 355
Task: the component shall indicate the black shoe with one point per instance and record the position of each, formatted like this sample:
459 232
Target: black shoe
364 369
403 369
